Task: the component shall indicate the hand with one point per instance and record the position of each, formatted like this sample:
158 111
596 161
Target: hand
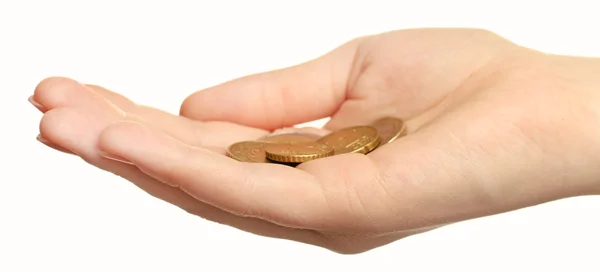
492 127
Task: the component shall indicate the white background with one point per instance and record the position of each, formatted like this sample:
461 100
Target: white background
59 214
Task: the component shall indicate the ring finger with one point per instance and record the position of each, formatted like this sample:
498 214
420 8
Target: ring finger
75 115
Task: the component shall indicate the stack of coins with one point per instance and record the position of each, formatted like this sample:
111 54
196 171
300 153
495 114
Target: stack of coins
294 148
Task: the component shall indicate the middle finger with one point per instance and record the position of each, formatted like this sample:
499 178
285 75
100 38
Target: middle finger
75 116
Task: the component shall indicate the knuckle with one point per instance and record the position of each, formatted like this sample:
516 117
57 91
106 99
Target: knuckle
52 122
345 245
52 84
174 171
52 92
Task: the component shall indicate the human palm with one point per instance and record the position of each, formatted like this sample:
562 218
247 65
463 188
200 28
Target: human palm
460 91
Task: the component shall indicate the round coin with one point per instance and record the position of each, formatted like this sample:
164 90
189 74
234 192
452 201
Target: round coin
297 153
304 130
248 151
358 139
389 129
290 138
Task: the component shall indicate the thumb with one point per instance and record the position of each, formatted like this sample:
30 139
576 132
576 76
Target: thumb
279 98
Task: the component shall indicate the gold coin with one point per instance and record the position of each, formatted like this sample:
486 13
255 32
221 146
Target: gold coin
297 153
248 151
389 129
358 139
290 138
304 130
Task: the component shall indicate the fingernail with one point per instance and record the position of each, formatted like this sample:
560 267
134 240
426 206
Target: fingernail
47 143
39 106
113 157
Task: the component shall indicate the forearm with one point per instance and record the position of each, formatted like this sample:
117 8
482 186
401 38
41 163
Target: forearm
575 128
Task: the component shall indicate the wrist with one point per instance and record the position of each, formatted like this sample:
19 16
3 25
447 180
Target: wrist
578 84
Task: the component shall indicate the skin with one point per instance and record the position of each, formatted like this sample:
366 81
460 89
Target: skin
492 127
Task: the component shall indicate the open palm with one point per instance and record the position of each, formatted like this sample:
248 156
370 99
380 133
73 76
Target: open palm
437 80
